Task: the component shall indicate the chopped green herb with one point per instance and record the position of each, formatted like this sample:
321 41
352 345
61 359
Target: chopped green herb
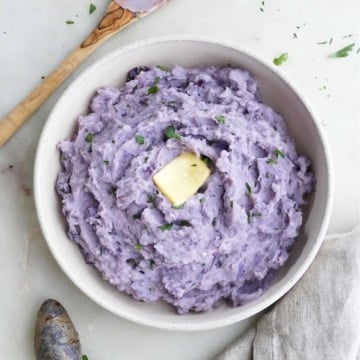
271 161
184 223
134 88
139 139
177 206
267 175
202 200
281 59
294 36
136 216
151 264
138 247
248 189
193 164
344 52
163 68
84 357
257 214
278 153
322 43
261 9
89 137
69 22
152 90
220 119
146 158
231 203
358 51
156 80
348 36
170 133
106 162
213 223
330 42
206 160
249 217
92 8
172 102
165 227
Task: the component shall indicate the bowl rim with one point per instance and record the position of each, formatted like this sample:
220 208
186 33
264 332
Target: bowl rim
212 323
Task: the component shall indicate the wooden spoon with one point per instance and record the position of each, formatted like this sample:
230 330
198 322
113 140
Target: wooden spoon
115 19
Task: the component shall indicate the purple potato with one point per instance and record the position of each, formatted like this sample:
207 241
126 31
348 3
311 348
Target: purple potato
55 335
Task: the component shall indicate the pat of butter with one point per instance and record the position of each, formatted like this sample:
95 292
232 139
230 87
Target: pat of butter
181 178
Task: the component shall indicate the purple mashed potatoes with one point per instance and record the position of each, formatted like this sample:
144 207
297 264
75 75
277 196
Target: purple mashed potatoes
224 243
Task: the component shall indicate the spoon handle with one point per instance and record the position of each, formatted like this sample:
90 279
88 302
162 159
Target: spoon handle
115 18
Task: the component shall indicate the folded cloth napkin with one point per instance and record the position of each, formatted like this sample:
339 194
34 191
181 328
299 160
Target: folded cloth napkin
319 319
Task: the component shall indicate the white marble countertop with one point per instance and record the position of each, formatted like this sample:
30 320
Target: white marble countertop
34 38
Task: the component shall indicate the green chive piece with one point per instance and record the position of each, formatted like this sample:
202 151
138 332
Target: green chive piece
152 90
136 216
271 161
69 22
281 59
177 206
163 68
151 264
138 247
213 223
84 357
92 8
248 189
184 223
202 200
106 162
170 133
165 227
139 139
220 119
89 137
278 153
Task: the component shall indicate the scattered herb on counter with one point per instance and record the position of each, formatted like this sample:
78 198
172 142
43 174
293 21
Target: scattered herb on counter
92 8
271 161
278 153
69 22
193 164
248 189
89 137
138 247
139 139
294 36
281 59
322 43
170 133
163 68
344 52
220 119
151 264
331 40
152 90
348 36
165 227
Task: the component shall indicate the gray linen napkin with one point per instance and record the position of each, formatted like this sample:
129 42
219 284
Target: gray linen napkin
319 318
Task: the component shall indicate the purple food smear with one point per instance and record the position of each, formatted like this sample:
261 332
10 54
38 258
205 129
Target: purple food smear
242 224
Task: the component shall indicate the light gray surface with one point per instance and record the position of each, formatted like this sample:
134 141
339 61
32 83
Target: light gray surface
33 40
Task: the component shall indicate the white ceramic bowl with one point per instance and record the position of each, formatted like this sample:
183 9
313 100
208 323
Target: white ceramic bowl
111 71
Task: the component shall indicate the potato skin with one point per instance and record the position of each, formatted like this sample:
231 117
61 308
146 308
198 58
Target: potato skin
55 335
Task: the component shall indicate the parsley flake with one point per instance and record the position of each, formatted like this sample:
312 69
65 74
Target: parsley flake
165 227
156 80
106 162
136 216
184 223
193 165
89 137
84 357
139 139
213 223
220 119
138 247
92 8
152 90
69 22
281 59
344 52
170 133
202 200
177 206
322 43
151 264
151 200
